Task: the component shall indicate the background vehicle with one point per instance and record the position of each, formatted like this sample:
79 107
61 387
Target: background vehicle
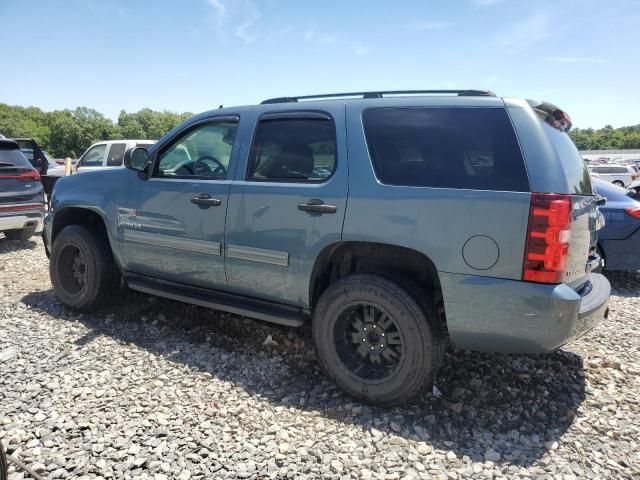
619 240
621 175
393 222
21 194
34 154
108 154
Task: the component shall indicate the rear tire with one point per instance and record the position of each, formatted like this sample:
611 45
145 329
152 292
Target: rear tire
618 183
20 234
81 268
375 341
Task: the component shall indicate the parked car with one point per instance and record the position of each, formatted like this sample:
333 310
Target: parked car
34 154
53 168
619 240
106 155
621 175
393 224
21 195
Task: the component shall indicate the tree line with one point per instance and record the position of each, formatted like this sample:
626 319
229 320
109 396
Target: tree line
68 133
606 138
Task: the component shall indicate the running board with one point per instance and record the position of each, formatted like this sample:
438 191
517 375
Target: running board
227 302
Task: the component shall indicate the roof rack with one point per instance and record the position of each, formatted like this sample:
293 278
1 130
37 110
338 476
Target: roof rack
381 94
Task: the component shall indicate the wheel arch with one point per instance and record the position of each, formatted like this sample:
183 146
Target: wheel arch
87 217
394 262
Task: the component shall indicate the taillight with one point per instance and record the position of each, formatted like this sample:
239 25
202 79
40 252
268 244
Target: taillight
548 237
29 176
634 212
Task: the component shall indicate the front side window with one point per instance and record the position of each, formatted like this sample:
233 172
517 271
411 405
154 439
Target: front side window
293 150
116 154
204 152
94 156
470 148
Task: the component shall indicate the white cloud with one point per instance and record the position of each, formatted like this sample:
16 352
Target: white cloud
234 17
218 6
308 35
526 32
577 60
429 25
359 48
486 3
491 80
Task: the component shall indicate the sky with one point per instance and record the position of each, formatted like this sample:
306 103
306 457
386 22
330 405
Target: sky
194 55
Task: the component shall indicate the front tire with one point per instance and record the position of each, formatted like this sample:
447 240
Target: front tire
81 268
618 183
20 234
375 341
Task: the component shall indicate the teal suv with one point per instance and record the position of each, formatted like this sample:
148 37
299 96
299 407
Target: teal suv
394 222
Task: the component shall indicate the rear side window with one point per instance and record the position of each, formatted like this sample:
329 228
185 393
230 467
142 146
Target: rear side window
620 170
470 148
293 150
116 154
602 170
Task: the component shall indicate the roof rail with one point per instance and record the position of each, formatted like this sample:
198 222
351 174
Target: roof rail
381 94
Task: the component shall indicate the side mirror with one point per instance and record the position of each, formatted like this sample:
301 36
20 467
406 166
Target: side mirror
136 159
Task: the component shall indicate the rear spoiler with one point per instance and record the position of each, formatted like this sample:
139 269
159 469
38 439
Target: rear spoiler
552 115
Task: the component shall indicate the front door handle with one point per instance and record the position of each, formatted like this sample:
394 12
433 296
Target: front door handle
206 200
317 206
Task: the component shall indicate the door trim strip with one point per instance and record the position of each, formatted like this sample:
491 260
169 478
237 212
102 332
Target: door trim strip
262 255
170 241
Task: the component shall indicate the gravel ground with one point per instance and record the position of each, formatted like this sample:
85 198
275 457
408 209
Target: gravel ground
156 389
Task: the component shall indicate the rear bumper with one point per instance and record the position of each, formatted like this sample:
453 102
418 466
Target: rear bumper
22 220
497 315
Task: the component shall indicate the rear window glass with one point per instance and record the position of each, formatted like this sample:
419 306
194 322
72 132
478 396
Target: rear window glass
575 169
471 148
600 169
13 161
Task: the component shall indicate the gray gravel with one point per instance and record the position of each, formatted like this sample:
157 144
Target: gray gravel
159 390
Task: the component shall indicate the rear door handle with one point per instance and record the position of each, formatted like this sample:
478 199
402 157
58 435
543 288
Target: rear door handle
317 206
206 200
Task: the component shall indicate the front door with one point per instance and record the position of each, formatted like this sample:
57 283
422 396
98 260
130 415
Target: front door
93 159
287 204
174 227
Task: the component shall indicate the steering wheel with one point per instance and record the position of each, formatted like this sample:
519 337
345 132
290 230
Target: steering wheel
202 169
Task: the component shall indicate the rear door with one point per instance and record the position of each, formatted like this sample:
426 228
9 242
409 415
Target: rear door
172 225
287 203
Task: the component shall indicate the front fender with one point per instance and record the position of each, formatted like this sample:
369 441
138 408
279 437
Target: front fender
97 193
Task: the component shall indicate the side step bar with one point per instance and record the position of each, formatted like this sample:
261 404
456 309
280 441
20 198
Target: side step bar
227 302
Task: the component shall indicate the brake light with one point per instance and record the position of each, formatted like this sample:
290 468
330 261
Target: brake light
29 176
548 237
633 212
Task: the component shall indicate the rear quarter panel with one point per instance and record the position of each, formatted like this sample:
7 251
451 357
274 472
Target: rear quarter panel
437 222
